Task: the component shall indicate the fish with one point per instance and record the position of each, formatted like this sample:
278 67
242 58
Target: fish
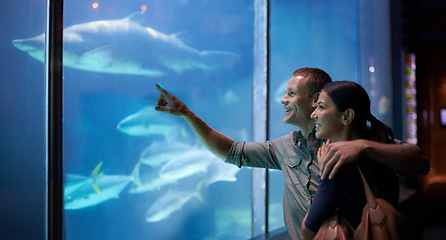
159 152
103 188
148 122
76 181
124 46
280 92
230 97
171 202
149 181
187 164
155 183
218 171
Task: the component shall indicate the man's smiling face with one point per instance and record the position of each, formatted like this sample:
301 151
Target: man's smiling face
297 102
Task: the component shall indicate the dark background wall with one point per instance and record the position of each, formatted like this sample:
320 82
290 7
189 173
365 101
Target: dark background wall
424 33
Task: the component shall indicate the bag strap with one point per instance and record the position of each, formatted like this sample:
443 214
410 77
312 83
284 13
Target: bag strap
369 194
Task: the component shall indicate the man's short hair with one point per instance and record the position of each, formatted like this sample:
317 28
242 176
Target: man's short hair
318 78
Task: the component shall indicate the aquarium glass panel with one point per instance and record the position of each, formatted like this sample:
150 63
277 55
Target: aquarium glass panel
131 172
345 39
22 122
375 58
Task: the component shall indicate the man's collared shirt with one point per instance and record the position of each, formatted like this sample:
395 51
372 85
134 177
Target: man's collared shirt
297 159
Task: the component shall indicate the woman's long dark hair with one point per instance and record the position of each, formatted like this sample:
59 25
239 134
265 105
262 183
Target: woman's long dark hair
348 94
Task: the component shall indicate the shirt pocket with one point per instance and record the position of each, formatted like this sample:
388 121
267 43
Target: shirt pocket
293 162
293 171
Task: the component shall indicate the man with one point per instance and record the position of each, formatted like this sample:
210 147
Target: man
295 153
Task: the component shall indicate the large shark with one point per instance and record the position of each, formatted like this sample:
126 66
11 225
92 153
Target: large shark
124 46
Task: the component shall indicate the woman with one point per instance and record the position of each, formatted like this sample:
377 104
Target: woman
343 114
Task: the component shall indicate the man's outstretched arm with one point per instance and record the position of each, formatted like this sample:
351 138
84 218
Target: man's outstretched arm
405 159
216 142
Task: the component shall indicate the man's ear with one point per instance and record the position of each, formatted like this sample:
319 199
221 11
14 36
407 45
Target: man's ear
315 98
348 116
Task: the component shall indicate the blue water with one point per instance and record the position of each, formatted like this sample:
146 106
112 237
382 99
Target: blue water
94 104
302 33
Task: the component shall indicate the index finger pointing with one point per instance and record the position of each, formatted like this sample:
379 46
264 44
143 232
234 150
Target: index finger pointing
161 89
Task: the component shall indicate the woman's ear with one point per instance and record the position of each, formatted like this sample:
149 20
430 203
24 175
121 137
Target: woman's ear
348 116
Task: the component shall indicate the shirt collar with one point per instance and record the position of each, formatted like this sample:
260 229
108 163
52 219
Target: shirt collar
299 139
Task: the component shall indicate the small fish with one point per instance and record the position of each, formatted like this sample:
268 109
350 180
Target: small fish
280 92
171 202
218 171
148 122
187 164
149 181
103 188
155 184
76 181
158 153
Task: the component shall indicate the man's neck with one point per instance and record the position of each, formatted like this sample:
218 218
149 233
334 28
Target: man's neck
306 132
310 138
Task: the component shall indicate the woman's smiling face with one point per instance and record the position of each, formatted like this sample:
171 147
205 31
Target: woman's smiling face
328 120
